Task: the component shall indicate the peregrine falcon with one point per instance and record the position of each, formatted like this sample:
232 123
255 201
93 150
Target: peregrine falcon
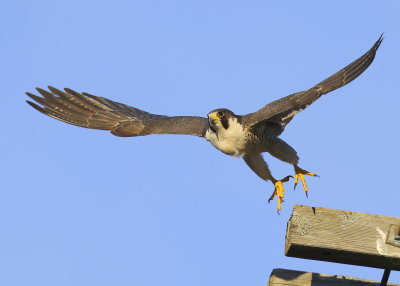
246 136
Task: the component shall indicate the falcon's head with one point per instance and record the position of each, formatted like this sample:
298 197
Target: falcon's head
221 119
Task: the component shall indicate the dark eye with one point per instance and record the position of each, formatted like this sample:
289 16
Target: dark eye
220 114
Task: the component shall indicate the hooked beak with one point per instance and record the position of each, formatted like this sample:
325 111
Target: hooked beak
212 117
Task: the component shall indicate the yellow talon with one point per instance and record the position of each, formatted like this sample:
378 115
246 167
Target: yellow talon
279 191
300 174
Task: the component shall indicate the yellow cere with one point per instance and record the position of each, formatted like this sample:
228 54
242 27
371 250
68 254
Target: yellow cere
213 115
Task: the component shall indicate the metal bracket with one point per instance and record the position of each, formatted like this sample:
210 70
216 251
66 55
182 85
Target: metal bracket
393 237
385 277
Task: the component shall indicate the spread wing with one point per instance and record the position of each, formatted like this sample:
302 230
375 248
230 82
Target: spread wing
282 110
95 112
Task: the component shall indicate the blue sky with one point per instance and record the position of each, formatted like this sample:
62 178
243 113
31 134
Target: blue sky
82 207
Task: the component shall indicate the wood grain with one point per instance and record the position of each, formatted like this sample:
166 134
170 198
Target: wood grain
342 237
284 277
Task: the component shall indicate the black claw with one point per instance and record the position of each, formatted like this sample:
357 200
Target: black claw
306 194
286 179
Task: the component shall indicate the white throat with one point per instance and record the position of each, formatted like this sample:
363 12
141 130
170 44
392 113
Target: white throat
230 141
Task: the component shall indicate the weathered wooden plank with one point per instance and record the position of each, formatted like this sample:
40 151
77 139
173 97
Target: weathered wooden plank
341 236
285 277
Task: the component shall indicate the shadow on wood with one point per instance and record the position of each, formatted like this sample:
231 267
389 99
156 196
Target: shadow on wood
281 277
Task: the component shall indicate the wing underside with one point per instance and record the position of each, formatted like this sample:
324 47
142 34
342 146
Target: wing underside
89 111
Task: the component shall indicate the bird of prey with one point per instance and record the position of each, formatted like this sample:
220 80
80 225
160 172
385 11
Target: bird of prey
246 136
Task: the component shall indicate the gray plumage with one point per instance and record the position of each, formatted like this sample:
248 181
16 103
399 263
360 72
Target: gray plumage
246 136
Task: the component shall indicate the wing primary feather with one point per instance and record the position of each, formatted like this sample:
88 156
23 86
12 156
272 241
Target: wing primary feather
282 110
35 106
351 71
55 103
83 101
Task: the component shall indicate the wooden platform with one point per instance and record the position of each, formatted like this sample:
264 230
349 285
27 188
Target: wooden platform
284 277
343 237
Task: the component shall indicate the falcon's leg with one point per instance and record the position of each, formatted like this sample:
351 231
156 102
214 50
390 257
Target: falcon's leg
283 151
260 167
